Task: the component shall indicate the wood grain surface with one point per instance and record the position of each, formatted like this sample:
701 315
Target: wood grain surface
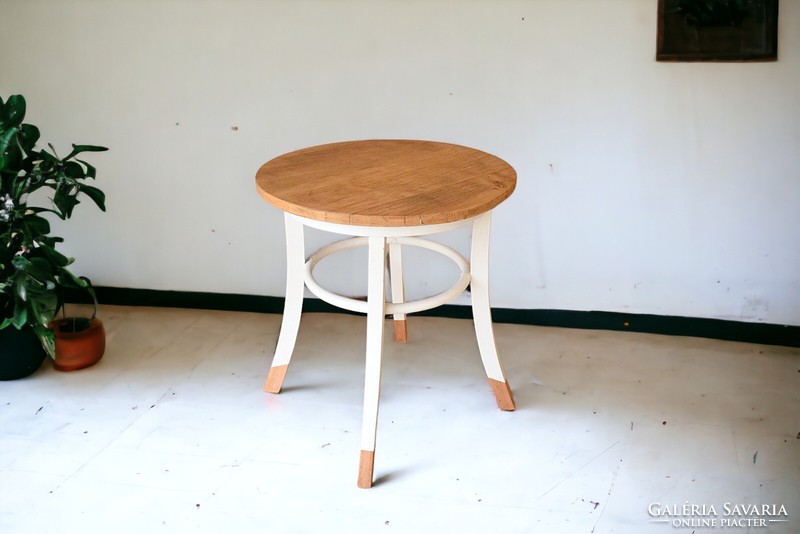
386 182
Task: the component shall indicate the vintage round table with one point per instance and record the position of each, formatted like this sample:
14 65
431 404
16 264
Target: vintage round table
385 194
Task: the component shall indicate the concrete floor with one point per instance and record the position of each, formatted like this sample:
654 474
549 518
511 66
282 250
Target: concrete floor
171 432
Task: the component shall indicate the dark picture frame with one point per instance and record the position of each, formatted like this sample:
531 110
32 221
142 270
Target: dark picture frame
717 30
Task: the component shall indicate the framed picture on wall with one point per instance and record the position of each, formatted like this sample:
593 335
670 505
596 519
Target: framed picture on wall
717 30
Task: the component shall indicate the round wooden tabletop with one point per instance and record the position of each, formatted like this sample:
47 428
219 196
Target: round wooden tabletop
386 182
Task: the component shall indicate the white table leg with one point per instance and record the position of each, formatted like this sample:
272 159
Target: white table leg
293 307
398 291
482 313
376 313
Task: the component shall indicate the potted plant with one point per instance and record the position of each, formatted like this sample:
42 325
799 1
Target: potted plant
79 341
33 274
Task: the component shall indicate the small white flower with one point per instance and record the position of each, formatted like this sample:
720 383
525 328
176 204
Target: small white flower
7 207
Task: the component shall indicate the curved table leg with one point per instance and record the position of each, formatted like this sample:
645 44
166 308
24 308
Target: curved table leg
482 313
398 292
293 307
372 374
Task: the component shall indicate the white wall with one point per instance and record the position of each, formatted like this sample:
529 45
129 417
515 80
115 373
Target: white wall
643 187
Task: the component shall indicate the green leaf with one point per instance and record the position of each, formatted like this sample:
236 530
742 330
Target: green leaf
6 139
95 194
37 268
92 293
19 319
44 309
8 321
21 290
36 226
74 169
14 111
91 172
28 135
47 338
47 157
67 279
54 256
21 262
77 149
64 202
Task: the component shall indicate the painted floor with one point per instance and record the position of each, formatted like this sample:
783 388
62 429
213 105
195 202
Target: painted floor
613 432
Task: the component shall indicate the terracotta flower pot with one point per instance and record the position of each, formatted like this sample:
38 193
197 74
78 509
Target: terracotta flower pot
76 350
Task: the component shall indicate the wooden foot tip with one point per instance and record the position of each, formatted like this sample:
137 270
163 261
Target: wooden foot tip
275 379
401 331
503 395
365 467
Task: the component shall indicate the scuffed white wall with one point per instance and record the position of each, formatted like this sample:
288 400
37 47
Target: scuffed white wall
643 187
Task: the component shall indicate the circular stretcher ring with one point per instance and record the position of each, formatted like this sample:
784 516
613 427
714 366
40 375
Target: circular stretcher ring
413 306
